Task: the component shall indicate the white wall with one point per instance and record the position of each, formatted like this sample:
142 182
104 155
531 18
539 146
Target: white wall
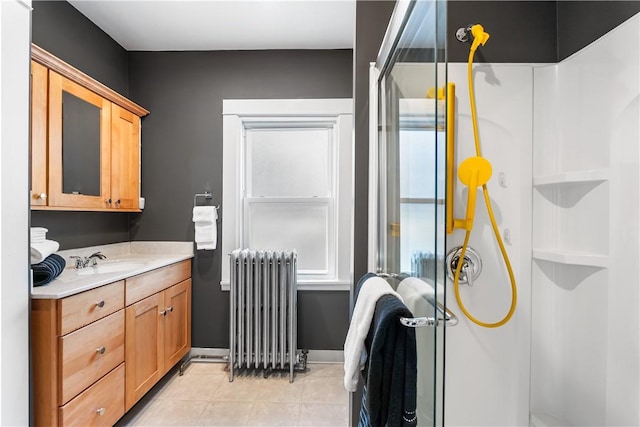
586 327
14 164
487 370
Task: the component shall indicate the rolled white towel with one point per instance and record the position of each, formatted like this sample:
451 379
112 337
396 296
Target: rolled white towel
38 234
39 251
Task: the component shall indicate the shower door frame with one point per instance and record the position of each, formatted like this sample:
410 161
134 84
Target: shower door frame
378 192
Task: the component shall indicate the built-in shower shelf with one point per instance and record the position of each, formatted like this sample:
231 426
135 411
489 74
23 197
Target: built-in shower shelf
571 258
574 177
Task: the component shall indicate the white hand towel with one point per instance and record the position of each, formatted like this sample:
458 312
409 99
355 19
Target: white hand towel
39 251
354 351
206 229
207 214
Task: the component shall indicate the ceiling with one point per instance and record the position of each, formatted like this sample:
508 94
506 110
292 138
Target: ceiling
161 25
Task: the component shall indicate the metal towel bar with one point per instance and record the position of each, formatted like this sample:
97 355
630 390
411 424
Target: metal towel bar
207 195
445 318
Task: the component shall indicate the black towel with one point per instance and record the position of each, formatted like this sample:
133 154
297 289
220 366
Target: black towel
47 270
391 367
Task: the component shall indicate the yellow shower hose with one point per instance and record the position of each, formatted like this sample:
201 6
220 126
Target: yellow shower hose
481 37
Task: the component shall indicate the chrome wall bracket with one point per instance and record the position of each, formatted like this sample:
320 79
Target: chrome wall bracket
471 268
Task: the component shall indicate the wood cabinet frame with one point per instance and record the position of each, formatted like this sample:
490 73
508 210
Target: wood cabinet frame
119 136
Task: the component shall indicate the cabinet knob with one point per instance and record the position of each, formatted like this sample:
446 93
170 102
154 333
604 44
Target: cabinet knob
101 411
100 304
118 203
41 196
163 313
101 350
170 308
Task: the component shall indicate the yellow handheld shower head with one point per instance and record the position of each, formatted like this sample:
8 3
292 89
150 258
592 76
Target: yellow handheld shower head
480 37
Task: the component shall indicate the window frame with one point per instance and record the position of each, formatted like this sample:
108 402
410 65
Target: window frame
332 114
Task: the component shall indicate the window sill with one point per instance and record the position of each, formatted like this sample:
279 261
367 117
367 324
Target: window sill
311 285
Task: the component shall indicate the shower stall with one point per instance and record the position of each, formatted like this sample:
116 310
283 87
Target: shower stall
563 141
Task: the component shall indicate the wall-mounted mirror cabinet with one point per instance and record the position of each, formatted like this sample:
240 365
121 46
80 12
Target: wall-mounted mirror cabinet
85 144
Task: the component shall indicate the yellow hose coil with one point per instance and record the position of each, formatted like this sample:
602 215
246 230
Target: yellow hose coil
479 32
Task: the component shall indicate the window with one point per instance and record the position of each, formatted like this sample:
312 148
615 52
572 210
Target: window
287 171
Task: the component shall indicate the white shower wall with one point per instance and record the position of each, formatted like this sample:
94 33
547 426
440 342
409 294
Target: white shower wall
585 298
487 370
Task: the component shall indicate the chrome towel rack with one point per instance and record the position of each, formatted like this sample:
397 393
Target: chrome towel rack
207 195
445 316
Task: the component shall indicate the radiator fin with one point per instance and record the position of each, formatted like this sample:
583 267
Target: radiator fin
263 310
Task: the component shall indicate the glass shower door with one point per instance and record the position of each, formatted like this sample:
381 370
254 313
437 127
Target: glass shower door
409 183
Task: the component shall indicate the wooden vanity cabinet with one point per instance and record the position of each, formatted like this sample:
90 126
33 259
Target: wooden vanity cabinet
76 343
96 353
85 141
158 327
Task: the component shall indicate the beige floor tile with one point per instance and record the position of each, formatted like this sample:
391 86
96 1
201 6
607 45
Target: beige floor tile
324 390
193 387
207 368
318 414
280 390
204 396
274 414
226 414
325 369
173 413
241 389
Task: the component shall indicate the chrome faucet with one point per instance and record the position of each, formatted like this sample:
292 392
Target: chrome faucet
82 262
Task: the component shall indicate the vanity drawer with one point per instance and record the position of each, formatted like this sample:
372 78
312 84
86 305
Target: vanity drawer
102 404
146 284
89 353
79 310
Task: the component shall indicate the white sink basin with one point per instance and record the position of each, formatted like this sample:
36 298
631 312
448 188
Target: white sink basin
115 267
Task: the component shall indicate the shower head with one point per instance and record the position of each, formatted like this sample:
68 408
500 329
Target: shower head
480 37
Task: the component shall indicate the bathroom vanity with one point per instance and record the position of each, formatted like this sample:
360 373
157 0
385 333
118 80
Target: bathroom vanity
102 336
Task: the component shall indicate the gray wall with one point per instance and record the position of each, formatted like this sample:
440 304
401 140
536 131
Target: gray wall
521 31
182 155
181 137
182 149
582 22
60 29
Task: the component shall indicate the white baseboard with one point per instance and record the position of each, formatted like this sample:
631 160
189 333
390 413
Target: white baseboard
220 355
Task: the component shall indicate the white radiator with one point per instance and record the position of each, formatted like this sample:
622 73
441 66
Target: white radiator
263 311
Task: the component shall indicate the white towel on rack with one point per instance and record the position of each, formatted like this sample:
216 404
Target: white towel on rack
354 349
206 233
39 251
205 214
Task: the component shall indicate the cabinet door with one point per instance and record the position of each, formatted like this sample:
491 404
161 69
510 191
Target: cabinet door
79 146
144 353
39 89
125 158
177 342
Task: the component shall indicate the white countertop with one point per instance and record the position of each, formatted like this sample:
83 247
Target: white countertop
123 260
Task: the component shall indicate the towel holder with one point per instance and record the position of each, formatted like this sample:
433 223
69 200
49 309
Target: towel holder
207 195
446 317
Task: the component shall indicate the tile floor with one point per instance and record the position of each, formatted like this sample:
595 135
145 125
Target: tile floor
203 396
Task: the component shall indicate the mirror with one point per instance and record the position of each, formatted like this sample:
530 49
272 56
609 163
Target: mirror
80 146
